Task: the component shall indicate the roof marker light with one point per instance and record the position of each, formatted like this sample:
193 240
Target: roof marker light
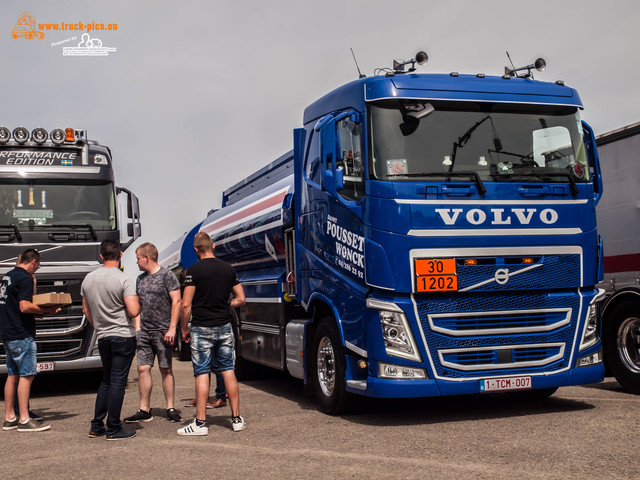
58 136
5 134
21 135
39 135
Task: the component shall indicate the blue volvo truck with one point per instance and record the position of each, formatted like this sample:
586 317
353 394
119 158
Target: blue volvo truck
428 234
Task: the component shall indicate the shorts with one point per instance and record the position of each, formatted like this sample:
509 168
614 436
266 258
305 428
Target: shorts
212 349
151 343
21 357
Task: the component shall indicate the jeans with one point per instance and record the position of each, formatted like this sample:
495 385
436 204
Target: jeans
21 357
212 349
116 354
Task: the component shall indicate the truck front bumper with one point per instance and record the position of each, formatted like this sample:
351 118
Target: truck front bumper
415 388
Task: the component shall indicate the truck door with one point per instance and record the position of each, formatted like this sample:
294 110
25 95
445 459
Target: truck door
337 224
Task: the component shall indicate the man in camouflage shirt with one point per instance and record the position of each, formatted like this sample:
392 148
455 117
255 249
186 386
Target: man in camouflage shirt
159 294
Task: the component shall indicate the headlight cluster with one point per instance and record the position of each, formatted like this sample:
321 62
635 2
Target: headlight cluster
398 340
591 331
39 135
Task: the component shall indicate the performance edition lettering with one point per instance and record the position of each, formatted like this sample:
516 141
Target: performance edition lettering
35 158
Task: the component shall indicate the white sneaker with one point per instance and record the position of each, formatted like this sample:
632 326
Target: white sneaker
193 429
238 423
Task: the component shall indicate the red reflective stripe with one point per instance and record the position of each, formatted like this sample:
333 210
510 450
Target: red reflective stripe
247 212
622 263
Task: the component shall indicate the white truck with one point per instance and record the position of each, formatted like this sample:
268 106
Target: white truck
619 224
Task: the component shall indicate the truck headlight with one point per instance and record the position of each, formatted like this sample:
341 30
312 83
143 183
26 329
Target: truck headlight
398 340
387 370
591 331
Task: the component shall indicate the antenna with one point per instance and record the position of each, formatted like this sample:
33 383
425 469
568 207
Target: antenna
360 75
510 61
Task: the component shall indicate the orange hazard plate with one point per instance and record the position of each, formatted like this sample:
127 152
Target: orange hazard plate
436 275
437 283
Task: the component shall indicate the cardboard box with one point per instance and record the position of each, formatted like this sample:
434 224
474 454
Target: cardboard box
52 299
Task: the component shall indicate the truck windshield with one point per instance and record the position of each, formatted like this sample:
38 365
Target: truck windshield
498 142
39 204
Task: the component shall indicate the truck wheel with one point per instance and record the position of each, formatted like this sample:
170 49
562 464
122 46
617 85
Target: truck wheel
328 371
244 369
621 340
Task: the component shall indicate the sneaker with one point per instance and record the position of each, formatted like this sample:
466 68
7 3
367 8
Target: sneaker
139 416
173 415
122 434
99 433
32 426
193 429
238 423
35 416
10 424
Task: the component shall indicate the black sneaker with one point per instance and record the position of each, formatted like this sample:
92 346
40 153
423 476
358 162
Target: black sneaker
139 416
173 415
122 435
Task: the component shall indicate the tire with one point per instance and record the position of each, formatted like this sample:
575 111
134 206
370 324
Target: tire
244 369
621 331
327 367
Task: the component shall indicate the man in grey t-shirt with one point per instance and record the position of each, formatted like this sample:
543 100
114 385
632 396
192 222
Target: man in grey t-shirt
159 294
110 303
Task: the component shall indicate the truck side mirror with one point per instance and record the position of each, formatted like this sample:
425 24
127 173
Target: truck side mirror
594 161
334 180
134 227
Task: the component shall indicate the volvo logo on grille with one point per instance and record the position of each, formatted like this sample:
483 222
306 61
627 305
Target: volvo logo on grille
502 276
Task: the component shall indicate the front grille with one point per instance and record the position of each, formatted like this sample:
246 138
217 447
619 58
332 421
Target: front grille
54 349
62 325
498 334
72 287
501 357
487 323
65 335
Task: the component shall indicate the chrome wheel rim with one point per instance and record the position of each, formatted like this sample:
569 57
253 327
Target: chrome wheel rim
628 344
325 364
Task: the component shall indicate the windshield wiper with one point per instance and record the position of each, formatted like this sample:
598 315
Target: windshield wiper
15 230
474 175
572 182
74 225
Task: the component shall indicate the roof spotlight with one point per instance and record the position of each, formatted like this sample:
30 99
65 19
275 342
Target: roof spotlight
21 134
5 135
58 136
39 135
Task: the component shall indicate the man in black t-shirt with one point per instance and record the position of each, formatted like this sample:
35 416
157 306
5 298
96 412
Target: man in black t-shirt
18 331
208 286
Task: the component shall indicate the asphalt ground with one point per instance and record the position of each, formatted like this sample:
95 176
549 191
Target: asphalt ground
579 432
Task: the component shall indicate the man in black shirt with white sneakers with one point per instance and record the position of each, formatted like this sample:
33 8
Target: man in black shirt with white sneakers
209 285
